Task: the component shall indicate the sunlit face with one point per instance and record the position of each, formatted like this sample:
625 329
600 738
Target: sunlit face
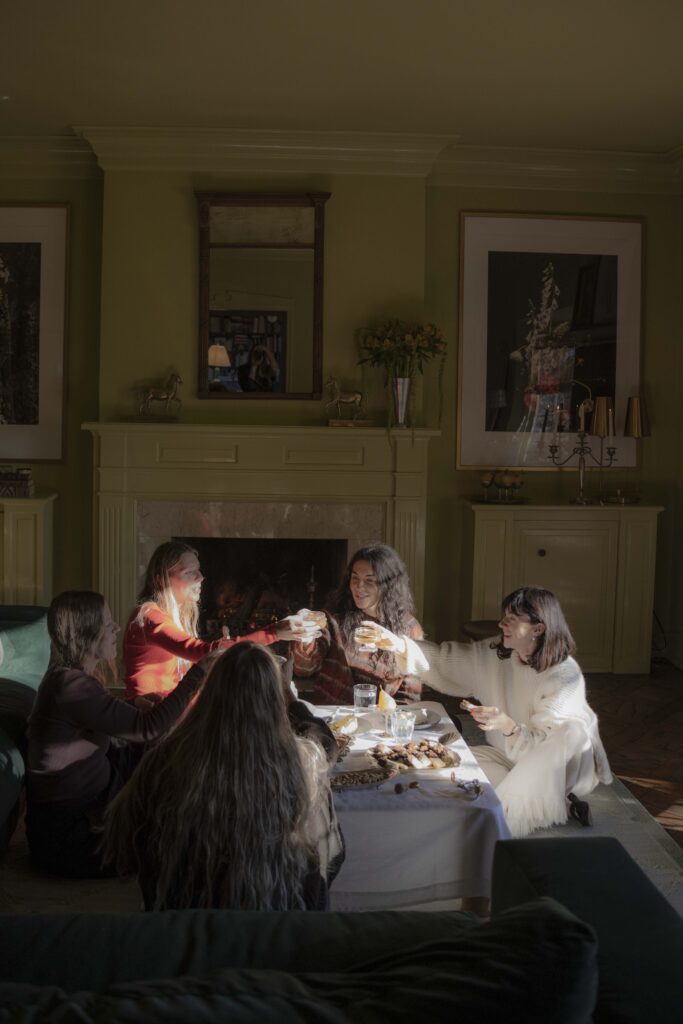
186 578
106 644
520 633
364 587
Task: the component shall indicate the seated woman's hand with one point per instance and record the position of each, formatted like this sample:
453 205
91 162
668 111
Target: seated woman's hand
296 627
491 718
371 634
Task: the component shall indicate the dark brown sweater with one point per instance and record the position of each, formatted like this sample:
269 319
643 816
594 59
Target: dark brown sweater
71 727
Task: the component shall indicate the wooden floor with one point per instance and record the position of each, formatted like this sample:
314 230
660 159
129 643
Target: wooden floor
641 724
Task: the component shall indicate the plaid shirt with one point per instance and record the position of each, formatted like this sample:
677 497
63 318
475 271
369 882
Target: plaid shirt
336 667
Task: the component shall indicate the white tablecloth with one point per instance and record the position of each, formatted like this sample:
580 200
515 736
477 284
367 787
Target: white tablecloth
425 844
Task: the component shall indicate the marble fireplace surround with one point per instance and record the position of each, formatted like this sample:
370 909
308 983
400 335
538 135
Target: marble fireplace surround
153 481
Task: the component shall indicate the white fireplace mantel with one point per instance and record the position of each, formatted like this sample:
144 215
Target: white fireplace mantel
358 484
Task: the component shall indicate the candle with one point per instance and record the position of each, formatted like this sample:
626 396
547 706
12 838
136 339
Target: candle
582 417
610 421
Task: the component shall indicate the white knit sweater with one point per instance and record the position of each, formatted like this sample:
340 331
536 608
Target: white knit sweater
556 723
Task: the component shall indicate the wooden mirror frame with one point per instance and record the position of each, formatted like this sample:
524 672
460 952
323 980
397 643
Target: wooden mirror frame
207 200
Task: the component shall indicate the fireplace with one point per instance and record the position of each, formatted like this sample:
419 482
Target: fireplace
154 481
250 583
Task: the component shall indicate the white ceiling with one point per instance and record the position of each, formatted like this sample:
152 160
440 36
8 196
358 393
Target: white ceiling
588 75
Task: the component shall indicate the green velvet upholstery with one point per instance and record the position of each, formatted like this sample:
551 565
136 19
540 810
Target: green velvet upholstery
24 656
538 961
640 935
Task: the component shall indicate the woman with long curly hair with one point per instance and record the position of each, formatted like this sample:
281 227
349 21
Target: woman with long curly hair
83 743
375 587
161 642
232 810
543 750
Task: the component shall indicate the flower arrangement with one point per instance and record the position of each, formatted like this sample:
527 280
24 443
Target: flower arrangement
401 347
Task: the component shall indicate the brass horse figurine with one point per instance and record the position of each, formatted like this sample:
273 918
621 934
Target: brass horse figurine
352 399
167 394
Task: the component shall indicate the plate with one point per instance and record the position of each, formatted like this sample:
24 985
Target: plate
425 718
366 778
369 721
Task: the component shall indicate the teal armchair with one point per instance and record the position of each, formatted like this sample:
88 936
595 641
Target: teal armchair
24 657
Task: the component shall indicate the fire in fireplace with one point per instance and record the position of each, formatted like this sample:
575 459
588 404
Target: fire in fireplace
252 582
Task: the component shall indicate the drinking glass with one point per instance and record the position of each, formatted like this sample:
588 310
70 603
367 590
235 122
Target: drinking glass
365 695
401 725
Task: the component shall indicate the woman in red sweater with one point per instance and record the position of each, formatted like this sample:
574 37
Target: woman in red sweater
161 642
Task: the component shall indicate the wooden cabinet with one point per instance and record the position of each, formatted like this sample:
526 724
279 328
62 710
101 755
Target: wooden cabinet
26 550
599 560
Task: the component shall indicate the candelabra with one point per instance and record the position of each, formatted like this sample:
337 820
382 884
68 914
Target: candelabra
602 427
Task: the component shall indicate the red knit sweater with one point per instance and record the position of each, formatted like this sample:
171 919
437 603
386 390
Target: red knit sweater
155 655
337 667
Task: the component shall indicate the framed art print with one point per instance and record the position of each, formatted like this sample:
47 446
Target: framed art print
551 315
33 248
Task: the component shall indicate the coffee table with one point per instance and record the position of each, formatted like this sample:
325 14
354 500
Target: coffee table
422 845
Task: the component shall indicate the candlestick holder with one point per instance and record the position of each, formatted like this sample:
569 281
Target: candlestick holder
583 451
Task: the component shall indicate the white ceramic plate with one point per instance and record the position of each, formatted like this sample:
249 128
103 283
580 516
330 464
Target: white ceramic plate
425 718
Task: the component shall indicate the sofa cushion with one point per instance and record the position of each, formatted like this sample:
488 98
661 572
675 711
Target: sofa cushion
640 935
535 963
24 644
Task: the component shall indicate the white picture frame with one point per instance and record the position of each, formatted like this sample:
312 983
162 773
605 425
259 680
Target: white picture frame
33 273
596 269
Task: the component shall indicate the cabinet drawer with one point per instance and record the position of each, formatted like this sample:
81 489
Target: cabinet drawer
578 562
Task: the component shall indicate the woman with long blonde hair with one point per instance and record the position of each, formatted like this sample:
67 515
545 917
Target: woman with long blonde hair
232 810
161 642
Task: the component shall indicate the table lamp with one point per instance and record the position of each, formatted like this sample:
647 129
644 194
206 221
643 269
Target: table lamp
217 358
637 425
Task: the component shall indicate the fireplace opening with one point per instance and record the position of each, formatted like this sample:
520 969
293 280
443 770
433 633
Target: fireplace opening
250 583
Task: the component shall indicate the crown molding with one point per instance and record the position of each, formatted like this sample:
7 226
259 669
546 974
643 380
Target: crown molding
256 151
583 171
46 156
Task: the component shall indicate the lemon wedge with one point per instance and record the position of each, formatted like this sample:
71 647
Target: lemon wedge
385 701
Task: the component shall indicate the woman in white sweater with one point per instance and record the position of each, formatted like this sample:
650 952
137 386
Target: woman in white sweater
543 747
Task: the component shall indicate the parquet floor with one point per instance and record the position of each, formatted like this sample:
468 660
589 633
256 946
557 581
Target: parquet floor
641 724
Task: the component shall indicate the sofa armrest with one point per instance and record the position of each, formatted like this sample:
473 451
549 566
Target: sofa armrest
640 935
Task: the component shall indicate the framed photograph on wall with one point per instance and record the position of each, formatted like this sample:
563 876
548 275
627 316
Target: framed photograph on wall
550 315
33 260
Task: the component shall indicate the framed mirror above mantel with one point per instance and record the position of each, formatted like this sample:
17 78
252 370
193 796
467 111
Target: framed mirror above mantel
261 260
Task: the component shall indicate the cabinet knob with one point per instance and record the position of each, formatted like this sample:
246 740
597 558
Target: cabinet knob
541 552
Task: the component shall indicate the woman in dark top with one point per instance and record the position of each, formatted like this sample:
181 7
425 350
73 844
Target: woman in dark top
232 810
83 743
375 587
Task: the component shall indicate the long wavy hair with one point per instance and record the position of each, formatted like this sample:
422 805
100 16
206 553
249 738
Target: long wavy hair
75 621
221 812
541 606
157 588
395 607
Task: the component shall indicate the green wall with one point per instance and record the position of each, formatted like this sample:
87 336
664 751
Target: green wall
71 478
374 264
392 248
662 366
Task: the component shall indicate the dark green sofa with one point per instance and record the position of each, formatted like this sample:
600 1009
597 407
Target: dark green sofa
24 656
534 961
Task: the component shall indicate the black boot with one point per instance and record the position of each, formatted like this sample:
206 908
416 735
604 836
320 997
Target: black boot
580 810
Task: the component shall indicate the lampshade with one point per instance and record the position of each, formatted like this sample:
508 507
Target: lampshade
602 424
218 356
637 423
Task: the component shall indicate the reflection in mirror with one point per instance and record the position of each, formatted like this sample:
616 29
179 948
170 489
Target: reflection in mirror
260 295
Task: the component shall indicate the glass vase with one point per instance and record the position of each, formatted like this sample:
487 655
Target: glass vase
400 389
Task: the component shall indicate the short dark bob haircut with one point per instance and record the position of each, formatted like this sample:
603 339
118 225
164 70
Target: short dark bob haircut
556 643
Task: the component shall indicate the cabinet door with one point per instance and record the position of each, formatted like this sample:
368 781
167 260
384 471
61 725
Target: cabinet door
577 561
